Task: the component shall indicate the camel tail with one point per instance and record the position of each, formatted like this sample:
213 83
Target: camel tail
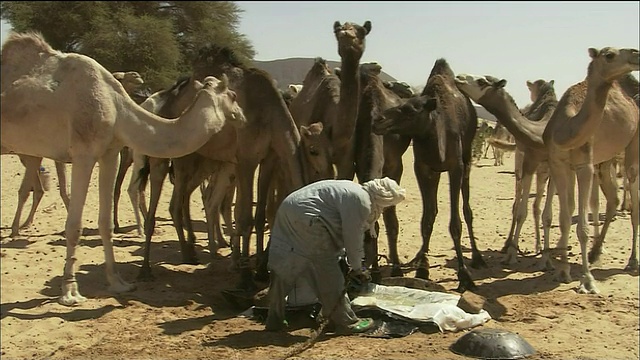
501 144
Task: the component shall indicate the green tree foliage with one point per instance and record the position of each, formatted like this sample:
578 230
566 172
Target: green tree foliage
158 39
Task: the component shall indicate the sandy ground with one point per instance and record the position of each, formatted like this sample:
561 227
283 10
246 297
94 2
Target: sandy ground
181 315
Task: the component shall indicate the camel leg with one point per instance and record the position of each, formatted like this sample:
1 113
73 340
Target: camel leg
106 179
547 218
225 209
594 199
81 170
345 165
217 191
186 179
631 174
133 189
517 198
562 178
30 181
61 170
125 162
455 229
607 180
244 222
205 194
428 181
267 180
158 171
542 177
392 227
528 168
476 257
584 174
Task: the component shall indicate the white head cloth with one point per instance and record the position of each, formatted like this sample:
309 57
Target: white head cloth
384 192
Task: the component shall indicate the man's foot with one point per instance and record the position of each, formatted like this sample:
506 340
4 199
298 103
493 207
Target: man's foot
360 326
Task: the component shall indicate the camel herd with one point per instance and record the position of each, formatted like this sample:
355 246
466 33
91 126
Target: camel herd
215 128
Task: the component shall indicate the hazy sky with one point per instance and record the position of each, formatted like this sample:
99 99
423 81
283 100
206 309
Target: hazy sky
517 41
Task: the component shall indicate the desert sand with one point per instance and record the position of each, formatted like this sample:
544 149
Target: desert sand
182 315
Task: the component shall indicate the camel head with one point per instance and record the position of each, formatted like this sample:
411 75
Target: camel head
130 80
403 119
538 87
372 68
351 38
610 63
317 150
475 87
225 99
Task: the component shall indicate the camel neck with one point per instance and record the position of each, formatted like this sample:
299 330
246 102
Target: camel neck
349 101
505 110
577 130
158 137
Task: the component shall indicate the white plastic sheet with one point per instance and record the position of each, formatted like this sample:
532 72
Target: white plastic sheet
421 306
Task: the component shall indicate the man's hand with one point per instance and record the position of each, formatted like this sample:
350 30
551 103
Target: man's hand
359 276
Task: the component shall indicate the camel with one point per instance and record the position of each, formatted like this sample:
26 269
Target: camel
270 128
442 123
501 141
578 135
216 158
97 119
378 156
351 45
32 180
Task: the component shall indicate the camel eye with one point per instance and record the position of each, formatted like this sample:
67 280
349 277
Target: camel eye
313 151
610 56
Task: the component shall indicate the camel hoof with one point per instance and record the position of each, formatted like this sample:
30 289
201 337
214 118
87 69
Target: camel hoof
562 275
14 234
376 276
546 264
120 286
594 255
396 271
246 280
511 257
26 225
145 275
587 285
190 260
422 273
477 262
632 266
464 281
71 296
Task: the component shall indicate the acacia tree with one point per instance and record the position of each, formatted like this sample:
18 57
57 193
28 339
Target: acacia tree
155 38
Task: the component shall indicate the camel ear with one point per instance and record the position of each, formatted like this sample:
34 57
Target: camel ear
593 52
367 26
500 84
336 26
304 131
551 82
118 75
316 128
387 84
529 84
224 82
293 89
431 104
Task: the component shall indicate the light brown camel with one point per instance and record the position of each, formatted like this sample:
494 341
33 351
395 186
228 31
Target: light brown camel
442 123
214 160
579 134
32 181
501 141
97 119
270 128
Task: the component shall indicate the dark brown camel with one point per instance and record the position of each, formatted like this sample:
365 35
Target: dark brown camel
270 128
378 155
442 123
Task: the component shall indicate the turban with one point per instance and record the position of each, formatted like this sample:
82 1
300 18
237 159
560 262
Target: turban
383 192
